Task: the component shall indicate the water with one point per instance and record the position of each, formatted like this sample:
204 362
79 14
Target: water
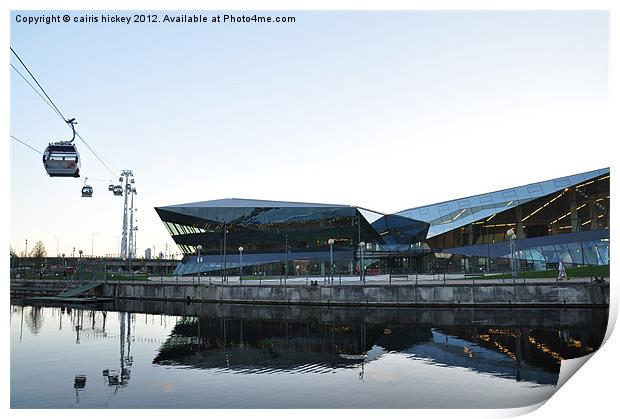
127 355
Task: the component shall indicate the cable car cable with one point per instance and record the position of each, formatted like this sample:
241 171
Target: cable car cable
38 84
95 153
56 109
27 145
61 116
35 90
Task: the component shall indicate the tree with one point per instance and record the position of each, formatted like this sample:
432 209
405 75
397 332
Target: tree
38 251
14 258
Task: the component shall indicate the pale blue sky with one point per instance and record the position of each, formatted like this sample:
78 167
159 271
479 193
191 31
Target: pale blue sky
386 110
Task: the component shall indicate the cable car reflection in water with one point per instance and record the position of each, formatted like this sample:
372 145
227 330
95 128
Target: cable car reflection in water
61 159
112 377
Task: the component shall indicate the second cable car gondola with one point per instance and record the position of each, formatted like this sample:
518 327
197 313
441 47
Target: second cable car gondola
61 159
87 190
117 190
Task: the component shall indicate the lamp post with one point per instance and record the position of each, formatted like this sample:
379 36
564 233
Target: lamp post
512 237
224 251
80 265
285 258
240 264
57 241
362 276
331 259
199 248
92 245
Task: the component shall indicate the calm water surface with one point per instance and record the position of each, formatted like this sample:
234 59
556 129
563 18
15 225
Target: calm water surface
224 356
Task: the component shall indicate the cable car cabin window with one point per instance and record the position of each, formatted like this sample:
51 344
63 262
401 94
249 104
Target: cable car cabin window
61 149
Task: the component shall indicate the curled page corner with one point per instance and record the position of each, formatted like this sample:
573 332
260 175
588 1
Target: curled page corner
568 367
519 411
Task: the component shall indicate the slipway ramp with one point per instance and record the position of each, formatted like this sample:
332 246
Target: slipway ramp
73 292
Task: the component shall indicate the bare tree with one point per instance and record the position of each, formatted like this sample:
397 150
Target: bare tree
38 254
38 251
14 258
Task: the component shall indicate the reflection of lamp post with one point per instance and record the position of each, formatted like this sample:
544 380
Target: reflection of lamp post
512 238
199 248
362 276
240 264
331 259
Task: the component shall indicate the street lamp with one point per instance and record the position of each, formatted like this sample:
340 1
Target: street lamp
80 265
92 245
512 237
240 264
57 241
362 276
331 259
199 248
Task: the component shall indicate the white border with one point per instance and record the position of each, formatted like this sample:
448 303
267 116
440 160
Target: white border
591 394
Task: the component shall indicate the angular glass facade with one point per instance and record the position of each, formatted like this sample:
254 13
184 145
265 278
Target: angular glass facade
272 233
563 219
447 216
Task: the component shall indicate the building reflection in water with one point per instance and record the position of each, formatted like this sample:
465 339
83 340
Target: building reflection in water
522 345
268 346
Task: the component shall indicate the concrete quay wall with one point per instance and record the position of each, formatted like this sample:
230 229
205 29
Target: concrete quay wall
581 294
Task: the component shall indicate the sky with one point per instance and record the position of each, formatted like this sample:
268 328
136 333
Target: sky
384 110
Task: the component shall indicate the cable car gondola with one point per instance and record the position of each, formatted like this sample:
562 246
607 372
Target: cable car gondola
117 190
61 159
87 190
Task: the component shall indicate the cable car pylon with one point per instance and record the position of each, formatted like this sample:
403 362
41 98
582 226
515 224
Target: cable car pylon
127 239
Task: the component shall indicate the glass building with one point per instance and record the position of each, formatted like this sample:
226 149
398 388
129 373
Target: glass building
563 219
282 238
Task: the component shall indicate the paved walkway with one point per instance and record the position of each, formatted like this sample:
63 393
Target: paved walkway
355 280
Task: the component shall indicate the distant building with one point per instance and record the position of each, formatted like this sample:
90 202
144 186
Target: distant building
147 253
